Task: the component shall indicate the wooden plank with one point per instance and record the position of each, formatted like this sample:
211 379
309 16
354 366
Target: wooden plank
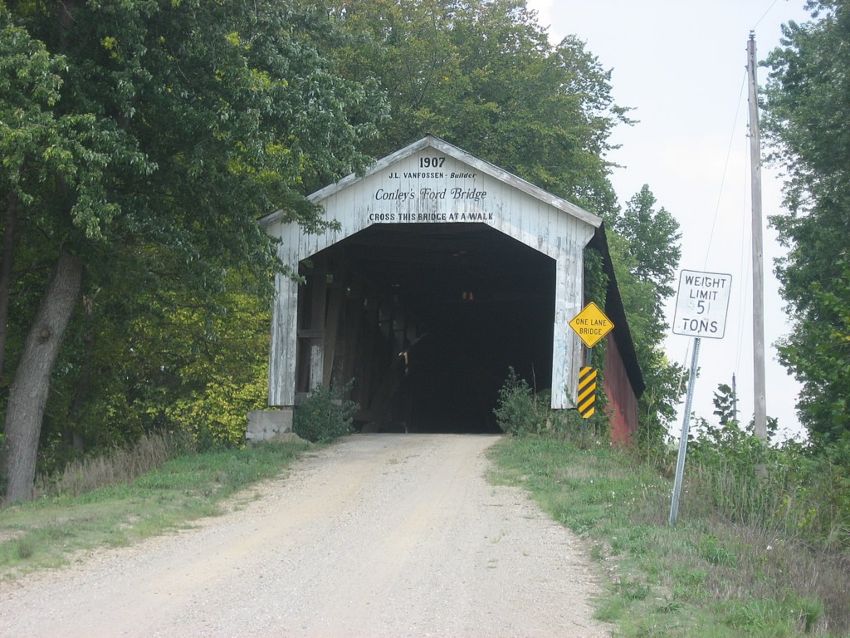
318 302
511 210
316 364
370 350
345 336
282 354
351 319
302 369
335 307
566 348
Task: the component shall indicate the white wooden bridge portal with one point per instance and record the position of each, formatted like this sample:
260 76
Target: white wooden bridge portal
464 266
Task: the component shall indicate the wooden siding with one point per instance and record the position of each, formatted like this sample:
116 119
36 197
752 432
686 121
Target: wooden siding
622 407
461 189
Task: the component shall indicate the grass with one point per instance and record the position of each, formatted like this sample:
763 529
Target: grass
48 532
119 465
707 577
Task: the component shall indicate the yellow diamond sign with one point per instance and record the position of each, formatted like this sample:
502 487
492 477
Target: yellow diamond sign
591 325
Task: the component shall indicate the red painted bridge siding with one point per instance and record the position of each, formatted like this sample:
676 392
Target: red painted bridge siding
622 405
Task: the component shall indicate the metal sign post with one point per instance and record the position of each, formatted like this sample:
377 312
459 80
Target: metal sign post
683 442
701 306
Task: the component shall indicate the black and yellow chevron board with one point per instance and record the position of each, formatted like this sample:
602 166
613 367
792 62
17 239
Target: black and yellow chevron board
586 392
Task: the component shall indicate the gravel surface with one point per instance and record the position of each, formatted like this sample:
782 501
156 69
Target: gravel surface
379 535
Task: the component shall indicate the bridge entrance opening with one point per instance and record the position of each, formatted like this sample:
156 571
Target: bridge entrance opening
427 319
436 271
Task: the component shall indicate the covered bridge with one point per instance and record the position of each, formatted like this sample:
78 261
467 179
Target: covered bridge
439 272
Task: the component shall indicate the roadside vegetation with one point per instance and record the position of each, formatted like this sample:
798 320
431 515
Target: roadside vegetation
50 530
762 546
325 415
159 484
751 555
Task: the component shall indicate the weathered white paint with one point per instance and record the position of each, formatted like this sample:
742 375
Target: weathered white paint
461 189
284 338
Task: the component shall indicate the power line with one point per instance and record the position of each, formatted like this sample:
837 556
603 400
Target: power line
763 15
725 170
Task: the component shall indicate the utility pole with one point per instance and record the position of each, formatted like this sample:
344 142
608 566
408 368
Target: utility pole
760 402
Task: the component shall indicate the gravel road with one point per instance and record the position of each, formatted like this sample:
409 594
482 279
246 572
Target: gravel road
379 535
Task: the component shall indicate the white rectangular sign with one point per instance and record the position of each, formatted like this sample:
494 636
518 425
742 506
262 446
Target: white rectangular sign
702 303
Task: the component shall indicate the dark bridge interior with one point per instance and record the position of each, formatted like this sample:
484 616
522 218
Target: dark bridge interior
463 301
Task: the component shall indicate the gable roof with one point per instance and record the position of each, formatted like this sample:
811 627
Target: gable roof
614 303
615 309
431 141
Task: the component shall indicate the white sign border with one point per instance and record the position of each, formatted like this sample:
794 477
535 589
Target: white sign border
676 305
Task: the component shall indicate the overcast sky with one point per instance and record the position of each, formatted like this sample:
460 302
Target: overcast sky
680 64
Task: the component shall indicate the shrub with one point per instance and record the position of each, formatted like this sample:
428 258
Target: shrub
216 416
325 415
517 410
520 411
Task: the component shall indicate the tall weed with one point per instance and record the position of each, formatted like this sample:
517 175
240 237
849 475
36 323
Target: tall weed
119 465
792 489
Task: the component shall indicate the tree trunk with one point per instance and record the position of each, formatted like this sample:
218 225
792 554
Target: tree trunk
28 394
6 271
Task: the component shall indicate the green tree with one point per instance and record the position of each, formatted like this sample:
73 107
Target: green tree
728 434
165 358
724 401
807 106
653 244
645 250
29 88
483 75
147 146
